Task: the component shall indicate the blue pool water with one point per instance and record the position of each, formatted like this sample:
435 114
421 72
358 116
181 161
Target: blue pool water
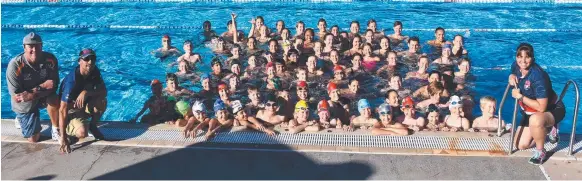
127 67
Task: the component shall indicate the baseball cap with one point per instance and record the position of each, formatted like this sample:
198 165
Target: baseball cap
322 106
182 107
331 86
363 104
219 105
87 52
455 102
236 106
301 105
199 106
384 109
408 102
31 39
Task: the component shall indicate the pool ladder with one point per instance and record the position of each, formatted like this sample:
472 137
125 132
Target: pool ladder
573 133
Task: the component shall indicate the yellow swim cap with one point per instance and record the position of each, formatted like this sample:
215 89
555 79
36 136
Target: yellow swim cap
301 105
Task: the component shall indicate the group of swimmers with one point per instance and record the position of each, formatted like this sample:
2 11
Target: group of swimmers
310 81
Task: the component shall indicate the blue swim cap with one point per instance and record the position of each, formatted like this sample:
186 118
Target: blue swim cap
362 104
219 105
204 76
446 45
384 109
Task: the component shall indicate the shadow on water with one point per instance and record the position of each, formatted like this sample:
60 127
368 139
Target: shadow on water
226 164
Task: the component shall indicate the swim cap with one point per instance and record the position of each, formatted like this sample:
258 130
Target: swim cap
363 104
204 76
234 62
455 102
301 84
408 102
216 61
446 46
302 105
199 106
182 107
331 86
270 64
222 86
236 106
171 98
337 68
322 106
384 109
219 105
155 82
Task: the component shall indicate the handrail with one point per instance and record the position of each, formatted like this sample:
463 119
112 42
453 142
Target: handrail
513 129
573 133
501 108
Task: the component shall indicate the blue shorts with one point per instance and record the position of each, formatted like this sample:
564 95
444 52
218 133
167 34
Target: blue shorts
29 123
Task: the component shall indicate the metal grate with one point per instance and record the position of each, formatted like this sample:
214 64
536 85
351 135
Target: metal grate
323 139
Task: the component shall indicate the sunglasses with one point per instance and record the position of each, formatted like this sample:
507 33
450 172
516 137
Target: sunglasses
270 104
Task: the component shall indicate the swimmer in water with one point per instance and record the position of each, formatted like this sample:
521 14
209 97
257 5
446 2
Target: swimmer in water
222 119
235 69
369 60
390 67
220 47
329 45
393 100
386 125
324 116
158 106
353 91
285 40
458 49
217 70
279 27
369 38
435 90
167 50
173 88
301 119
456 121
189 56
224 93
300 29
439 38
255 103
256 24
200 120
322 27
242 118
416 123
433 118
338 107
356 65
269 113
463 74
264 35
396 84
422 68
184 69
384 47
232 35
373 26
356 44
208 33
252 70
397 37
312 69
422 92
308 42
488 122
413 51
445 59
338 75
365 120
185 114
354 30
291 60
318 50
235 52
252 48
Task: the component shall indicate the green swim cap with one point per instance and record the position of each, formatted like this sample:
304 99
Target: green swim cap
182 107
171 98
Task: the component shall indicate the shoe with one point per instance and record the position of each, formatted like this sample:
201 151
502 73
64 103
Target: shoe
553 135
95 131
538 157
55 133
17 123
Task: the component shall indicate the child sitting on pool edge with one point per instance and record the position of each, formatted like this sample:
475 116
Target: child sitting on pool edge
487 122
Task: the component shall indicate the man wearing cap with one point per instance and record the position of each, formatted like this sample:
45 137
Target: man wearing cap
83 88
33 77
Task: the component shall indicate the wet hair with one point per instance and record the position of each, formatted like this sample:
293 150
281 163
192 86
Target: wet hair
414 38
261 18
356 22
321 20
281 22
334 50
439 28
435 72
334 26
371 21
529 51
357 54
171 76
393 52
350 80
464 60
434 88
300 22
228 23
395 74
309 29
396 23
369 30
390 91
252 87
188 42
489 99
254 40
273 40
235 46
206 24
327 34
292 51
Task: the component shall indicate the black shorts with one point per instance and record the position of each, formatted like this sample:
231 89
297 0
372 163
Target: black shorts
557 110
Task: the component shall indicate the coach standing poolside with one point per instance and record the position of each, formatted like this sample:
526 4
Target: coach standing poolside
33 77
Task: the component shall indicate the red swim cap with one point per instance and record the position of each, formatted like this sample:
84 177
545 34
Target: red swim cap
331 86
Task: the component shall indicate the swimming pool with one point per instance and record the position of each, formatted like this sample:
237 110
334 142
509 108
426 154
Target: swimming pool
127 66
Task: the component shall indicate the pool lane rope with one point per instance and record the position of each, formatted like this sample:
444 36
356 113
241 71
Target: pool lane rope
150 27
316 1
